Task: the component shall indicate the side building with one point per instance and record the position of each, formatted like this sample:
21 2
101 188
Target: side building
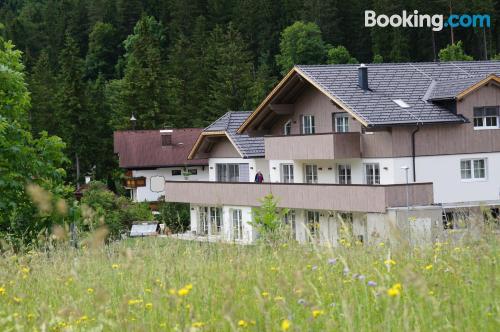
151 157
413 147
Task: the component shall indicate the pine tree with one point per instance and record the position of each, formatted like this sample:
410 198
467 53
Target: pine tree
103 51
230 74
42 85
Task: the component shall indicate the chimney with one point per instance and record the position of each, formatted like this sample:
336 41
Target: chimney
363 76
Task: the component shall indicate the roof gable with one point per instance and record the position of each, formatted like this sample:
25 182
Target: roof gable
409 82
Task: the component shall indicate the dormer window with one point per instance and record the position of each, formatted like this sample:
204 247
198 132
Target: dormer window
486 117
308 126
287 128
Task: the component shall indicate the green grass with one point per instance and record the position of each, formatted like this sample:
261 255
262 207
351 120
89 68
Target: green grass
135 286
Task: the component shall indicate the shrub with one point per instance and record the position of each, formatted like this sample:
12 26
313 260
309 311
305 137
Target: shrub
174 215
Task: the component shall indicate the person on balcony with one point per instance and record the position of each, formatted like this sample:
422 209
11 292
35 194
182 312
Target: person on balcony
259 178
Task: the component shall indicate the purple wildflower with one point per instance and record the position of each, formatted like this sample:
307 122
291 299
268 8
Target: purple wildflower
332 261
372 283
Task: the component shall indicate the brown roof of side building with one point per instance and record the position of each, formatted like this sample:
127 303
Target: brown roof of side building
138 149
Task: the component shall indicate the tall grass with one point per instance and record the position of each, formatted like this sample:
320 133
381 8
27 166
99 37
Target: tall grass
156 284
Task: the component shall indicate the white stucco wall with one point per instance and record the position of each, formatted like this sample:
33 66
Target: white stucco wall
146 194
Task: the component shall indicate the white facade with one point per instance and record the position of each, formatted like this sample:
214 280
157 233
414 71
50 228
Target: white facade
155 181
254 165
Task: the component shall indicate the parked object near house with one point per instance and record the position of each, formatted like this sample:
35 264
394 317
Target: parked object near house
151 157
145 229
338 154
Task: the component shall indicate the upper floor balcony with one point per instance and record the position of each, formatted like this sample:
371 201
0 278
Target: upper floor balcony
336 197
317 146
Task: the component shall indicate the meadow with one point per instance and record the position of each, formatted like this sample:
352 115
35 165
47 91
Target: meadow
156 284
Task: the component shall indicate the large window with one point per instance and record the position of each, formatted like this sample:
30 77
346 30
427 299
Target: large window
289 220
287 128
228 172
311 174
473 169
203 224
308 126
341 122
313 224
237 223
215 220
344 174
372 173
486 117
287 173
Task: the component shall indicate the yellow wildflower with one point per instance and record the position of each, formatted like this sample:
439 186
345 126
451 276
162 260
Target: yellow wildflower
183 291
285 325
381 244
394 290
115 266
197 325
265 294
242 323
431 293
2 291
149 306
17 299
90 290
428 267
389 262
25 270
316 313
134 302
279 298
189 286
172 291
148 290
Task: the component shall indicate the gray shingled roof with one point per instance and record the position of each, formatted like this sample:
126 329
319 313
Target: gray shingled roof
250 147
449 89
410 82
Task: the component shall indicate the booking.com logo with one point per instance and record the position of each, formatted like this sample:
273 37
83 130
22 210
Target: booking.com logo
415 20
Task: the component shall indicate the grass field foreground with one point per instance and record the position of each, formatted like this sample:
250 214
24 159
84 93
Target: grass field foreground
156 284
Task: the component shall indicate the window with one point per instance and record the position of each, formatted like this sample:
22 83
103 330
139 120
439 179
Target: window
473 169
458 219
341 122
313 224
372 173
176 172
344 174
237 222
486 117
311 173
203 225
308 127
228 172
215 220
166 140
287 128
287 173
289 219
192 171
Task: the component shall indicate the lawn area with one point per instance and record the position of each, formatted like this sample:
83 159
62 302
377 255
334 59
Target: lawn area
166 284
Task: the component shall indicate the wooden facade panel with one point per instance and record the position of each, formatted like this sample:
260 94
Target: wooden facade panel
310 147
356 198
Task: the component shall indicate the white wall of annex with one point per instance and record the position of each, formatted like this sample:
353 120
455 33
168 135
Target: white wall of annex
146 194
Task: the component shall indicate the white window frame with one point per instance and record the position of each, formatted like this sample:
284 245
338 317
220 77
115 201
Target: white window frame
204 220
484 117
312 224
344 174
231 172
313 176
341 122
237 224
289 219
310 129
215 220
286 173
473 167
373 175
287 128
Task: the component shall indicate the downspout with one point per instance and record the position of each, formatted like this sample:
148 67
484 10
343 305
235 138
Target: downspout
413 151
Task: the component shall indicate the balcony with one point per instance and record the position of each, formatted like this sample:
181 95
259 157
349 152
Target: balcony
318 146
356 198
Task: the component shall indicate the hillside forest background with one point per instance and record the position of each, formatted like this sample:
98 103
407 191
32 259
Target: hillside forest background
91 64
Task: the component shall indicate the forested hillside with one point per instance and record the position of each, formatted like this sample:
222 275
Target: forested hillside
91 64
